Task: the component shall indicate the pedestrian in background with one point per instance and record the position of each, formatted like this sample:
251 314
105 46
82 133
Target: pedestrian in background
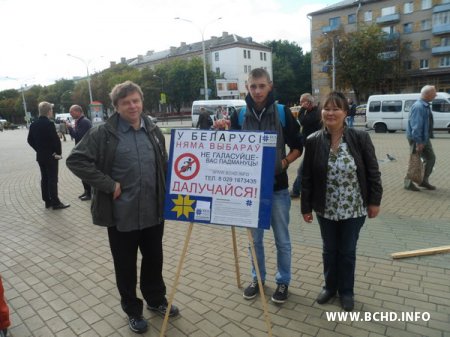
342 184
4 312
419 131
204 120
351 113
43 138
125 162
82 125
263 114
310 121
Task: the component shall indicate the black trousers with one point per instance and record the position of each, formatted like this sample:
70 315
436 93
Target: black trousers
87 188
124 246
49 181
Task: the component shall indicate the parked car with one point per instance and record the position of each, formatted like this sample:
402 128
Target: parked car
361 109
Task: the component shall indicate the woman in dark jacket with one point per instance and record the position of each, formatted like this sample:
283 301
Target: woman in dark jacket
342 184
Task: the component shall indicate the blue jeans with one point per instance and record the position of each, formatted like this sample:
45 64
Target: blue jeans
297 185
281 204
339 252
350 120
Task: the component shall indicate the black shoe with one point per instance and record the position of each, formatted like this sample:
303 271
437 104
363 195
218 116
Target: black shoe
61 206
281 294
347 302
324 296
427 185
81 196
137 324
48 204
85 197
162 308
252 290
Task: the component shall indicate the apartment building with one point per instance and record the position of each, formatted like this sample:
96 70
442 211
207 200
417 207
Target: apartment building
229 54
423 24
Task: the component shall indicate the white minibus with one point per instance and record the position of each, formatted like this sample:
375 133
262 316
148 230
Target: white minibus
216 108
389 113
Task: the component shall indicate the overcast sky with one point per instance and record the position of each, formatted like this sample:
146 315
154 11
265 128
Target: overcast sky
37 35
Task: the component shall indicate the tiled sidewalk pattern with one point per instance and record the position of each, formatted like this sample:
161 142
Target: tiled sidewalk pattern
59 276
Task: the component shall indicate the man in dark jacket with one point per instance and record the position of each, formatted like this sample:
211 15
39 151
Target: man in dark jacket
204 120
43 138
125 162
310 121
262 114
82 125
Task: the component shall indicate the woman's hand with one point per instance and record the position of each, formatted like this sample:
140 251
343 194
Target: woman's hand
117 191
372 211
308 217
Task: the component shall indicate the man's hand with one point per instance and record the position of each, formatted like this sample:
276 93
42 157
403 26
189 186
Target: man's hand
117 191
308 217
419 147
372 211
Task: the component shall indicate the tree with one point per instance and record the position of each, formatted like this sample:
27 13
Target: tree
365 60
291 70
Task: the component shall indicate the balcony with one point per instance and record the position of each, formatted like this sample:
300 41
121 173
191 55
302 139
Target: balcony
329 29
440 50
441 8
385 19
387 55
441 29
392 36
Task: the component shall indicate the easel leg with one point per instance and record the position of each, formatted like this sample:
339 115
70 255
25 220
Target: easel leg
260 285
236 257
175 282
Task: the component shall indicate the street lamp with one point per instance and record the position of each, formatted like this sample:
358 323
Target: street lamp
202 32
86 63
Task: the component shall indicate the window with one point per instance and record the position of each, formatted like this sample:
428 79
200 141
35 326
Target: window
374 106
335 22
387 10
389 30
351 18
245 69
426 4
249 68
407 65
440 105
423 64
391 106
408 28
265 57
442 18
216 56
408 104
248 54
407 45
444 61
261 55
245 53
425 44
445 41
368 16
218 71
408 7
425 24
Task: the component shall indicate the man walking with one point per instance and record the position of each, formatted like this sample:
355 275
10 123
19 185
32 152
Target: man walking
351 112
82 125
43 138
263 114
310 121
418 132
125 162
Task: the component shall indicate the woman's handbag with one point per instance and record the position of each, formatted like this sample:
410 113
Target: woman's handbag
416 169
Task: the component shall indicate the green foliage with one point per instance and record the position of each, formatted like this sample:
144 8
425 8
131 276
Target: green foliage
361 62
291 71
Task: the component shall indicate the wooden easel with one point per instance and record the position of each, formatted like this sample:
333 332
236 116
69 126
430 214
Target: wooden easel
238 278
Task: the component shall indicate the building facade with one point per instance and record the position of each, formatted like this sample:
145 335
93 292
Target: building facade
230 56
423 24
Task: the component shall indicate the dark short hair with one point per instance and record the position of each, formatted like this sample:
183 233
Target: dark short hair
338 99
124 89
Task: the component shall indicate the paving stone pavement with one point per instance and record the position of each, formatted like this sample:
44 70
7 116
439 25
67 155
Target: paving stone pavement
59 279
